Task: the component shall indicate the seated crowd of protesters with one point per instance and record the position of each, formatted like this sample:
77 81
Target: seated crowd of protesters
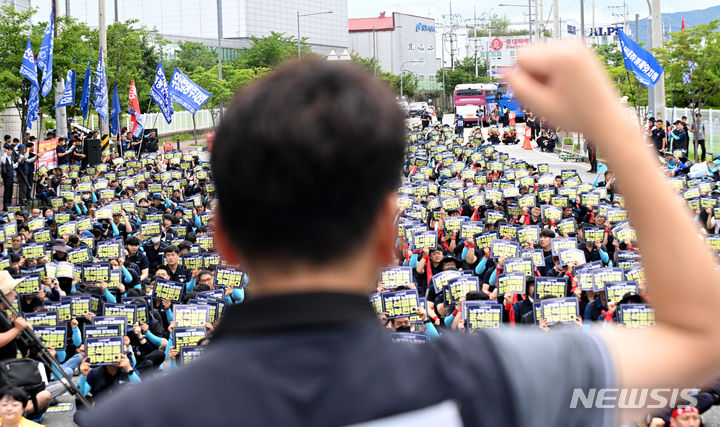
116 260
489 241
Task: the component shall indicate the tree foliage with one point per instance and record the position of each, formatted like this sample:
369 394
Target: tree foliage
691 59
625 82
463 73
410 81
270 51
193 55
133 53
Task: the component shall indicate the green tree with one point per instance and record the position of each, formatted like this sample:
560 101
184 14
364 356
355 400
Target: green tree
464 72
211 82
15 89
238 78
72 41
626 84
270 51
693 52
367 63
192 55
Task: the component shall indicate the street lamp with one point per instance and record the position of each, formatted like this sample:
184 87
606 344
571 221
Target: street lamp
529 6
412 61
299 15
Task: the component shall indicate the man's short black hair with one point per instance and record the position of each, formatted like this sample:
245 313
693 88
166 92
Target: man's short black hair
172 248
323 139
132 240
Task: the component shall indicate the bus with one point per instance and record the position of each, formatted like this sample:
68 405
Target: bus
507 97
467 98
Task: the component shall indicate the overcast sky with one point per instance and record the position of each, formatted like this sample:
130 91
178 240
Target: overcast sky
569 9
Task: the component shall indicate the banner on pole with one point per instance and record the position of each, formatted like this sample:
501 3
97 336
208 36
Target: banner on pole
186 93
639 61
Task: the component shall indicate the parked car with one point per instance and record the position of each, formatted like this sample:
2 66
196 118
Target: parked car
404 106
417 108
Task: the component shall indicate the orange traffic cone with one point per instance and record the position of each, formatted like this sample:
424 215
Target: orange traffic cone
527 134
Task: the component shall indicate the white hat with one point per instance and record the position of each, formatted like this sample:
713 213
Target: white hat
7 283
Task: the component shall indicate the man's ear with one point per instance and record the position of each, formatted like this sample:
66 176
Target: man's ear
222 242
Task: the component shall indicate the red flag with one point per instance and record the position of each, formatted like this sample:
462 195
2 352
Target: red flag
134 105
682 26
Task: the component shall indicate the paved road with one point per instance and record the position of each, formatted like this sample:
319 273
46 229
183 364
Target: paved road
533 156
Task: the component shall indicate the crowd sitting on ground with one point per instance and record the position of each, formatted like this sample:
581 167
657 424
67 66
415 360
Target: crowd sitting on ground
488 241
123 248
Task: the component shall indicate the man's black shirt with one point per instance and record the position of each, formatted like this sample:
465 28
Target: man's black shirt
323 359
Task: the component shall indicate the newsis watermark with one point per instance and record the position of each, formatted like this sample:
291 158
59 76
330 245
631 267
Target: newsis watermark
631 398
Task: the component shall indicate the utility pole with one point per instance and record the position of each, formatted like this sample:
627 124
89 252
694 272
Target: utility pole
593 31
442 39
637 27
582 19
220 37
475 37
116 11
659 88
452 36
537 22
60 113
556 20
530 21
541 22
104 126
625 17
374 42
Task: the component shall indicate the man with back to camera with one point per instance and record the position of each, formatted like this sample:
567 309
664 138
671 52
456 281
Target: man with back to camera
307 348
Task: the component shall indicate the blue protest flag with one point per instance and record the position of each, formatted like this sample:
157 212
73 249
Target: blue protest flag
639 61
186 93
160 94
100 92
45 55
68 95
33 106
115 113
85 97
28 69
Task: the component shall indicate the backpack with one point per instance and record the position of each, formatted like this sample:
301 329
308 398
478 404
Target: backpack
23 373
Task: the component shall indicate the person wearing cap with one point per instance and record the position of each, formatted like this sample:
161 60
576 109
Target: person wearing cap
9 165
552 141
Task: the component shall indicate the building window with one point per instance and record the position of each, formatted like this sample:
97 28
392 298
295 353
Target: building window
411 46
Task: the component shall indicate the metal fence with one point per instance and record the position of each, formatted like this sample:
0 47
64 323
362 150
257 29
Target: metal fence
711 119
181 121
